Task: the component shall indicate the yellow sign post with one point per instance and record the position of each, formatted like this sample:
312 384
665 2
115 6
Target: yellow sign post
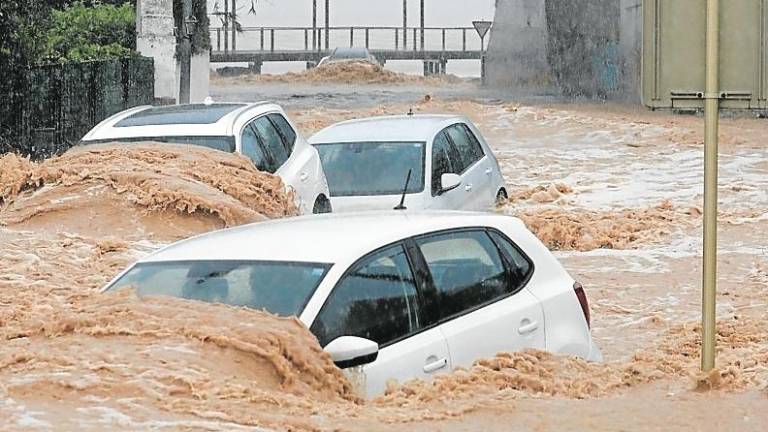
711 119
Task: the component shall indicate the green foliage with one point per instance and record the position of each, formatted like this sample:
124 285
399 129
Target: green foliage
31 32
80 33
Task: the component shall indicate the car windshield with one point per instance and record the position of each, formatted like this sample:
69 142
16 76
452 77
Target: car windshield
282 288
350 54
223 143
372 168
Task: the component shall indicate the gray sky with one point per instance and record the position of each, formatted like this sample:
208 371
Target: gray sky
364 12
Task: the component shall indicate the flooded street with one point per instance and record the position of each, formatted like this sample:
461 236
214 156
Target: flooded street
615 191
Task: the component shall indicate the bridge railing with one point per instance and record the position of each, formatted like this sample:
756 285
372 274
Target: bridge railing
271 39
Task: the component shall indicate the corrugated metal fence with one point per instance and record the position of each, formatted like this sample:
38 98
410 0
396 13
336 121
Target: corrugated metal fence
61 102
674 53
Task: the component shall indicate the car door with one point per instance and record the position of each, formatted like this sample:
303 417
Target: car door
379 299
476 172
445 160
484 306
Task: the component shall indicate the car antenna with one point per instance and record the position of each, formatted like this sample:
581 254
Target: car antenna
401 206
410 112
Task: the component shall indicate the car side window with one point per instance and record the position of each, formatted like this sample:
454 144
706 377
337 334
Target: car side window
520 266
253 150
376 300
469 149
272 141
285 129
441 161
466 269
474 143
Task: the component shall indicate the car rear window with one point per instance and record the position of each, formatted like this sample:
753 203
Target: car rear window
373 168
223 143
180 114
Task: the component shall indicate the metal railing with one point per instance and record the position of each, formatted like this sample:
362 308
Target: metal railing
286 39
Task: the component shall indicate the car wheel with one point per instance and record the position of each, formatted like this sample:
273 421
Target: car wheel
322 205
501 197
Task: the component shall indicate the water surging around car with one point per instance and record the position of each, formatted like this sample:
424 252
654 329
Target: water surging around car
74 359
138 189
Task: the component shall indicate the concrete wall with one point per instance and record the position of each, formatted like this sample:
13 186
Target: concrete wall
631 48
517 51
574 48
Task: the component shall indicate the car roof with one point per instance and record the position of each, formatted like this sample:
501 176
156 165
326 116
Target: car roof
179 114
408 128
206 119
330 239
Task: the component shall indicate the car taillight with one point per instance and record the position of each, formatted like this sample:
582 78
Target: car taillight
582 296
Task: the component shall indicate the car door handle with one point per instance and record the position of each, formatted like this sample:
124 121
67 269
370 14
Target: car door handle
304 176
488 171
436 365
528 327
468 187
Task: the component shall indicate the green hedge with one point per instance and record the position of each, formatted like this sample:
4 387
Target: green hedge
80 33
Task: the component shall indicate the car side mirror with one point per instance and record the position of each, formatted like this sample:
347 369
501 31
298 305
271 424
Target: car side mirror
449 181
350 351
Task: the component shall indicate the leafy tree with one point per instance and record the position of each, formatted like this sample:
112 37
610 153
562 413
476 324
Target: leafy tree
89 33
29 33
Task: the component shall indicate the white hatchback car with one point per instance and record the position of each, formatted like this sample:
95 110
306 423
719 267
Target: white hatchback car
389 295
260 131
451 167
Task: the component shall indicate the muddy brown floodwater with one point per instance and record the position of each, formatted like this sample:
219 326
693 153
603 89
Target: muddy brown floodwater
615 192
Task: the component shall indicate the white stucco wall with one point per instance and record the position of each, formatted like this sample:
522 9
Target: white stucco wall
199 79
154 38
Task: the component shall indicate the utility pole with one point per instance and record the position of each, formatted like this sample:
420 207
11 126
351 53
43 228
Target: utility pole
226 25
327 24
186 54
234 25
314 25
422 26
405 25
712 120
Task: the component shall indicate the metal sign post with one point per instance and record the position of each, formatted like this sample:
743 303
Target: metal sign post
712 119
482 28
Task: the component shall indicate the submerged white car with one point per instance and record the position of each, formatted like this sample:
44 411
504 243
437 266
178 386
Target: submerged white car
394 295
344 54
368 161
260 131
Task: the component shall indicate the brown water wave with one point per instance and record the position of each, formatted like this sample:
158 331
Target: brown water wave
144 187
